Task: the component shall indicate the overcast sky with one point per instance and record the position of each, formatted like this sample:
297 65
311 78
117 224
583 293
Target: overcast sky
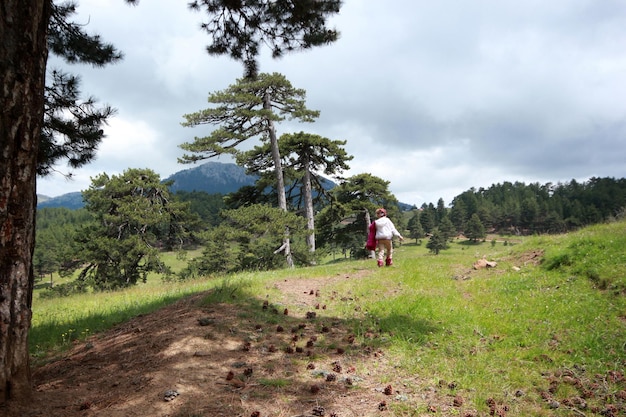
435 97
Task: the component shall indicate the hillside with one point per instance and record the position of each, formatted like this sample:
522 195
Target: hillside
534 336
72 201
210 177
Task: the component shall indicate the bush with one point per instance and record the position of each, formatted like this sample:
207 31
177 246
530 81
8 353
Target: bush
64 290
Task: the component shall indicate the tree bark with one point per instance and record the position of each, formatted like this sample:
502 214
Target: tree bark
23 56
368 221
308 201
280 180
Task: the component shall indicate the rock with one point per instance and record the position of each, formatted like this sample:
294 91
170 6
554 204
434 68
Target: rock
554 404
483 263
170 394
205 321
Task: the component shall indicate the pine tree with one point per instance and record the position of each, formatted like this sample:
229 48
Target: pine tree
342 223
304 156
475 229
437 242
446 228
248 109
134 215
416 231
240 28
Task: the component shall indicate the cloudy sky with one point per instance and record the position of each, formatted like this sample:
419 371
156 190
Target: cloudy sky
435 97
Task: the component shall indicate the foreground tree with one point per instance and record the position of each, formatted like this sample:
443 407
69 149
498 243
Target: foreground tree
249 109
134 217
23 56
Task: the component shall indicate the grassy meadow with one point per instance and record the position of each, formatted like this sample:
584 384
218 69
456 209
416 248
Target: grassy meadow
542 331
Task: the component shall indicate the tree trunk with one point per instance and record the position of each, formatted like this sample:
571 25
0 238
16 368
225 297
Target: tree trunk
23 56
308 201
280 181
368 221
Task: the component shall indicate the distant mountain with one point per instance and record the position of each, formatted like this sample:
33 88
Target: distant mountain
212 178
71 201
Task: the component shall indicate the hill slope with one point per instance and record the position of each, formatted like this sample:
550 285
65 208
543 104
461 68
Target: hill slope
534 336
212 178
71 201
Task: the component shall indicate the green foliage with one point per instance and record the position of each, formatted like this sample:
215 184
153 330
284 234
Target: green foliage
446 228
55 230
475 230
535 208
427 218
437 242
247 109
416 231
342 224
302 156
206 206
597 254
300 153
133 217
248 238
239 29
64 290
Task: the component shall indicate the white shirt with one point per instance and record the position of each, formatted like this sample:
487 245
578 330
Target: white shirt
385 228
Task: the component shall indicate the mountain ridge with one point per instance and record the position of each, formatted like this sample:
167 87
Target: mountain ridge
211 177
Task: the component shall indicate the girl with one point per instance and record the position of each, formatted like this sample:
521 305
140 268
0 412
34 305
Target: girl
385 231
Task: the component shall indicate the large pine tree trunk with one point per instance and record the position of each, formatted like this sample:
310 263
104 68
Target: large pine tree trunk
23 55
308 201
368 221
280 181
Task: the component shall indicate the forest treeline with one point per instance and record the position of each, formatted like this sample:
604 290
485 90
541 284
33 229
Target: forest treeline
534 208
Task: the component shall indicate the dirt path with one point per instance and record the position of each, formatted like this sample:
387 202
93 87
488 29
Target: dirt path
191 361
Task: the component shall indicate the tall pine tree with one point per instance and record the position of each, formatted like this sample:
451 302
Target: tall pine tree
249 109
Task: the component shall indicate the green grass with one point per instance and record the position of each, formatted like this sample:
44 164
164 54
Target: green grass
484 334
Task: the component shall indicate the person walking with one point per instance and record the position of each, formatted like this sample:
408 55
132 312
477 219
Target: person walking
385 231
